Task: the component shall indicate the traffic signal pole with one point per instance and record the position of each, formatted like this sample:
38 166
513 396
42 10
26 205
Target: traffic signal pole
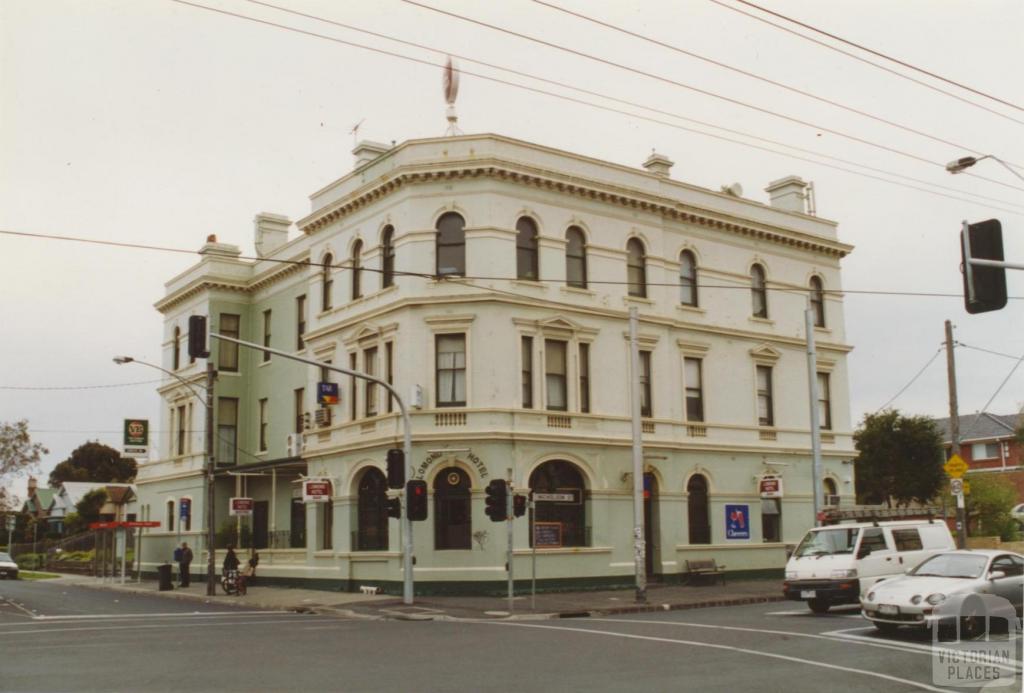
407 544
508 523
639 545
954 431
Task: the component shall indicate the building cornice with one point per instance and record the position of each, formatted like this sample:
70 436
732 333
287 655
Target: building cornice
565 185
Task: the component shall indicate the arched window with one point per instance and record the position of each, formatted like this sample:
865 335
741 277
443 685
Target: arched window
698 511
526 249
326 283
563 520
357 270
818 301
831 492
687 278
372 511
758 293
177 349
387 251
451 245
636 270
575 258
453 517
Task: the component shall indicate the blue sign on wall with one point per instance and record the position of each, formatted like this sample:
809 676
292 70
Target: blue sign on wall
185 506
737 521
327 393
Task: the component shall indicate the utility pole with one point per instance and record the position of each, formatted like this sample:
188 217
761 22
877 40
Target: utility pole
211 575
509 517
954 432
812 391
639 547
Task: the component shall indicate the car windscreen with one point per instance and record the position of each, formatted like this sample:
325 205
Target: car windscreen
827 542
4 557
952 565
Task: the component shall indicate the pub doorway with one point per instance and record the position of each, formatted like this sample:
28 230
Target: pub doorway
652 557
260 524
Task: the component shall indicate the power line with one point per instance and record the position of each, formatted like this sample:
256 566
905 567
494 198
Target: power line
752 75
912 381
610 109
565 85
987 351
76 387
705 92
992 398
866 62
881 55
434 277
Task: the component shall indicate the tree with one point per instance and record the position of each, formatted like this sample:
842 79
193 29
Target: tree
899 458
87 510
18 454
94 462
990 501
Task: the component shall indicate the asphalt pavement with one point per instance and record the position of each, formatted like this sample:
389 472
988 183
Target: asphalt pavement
61 636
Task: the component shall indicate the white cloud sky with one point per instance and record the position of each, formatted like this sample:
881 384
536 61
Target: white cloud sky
155 122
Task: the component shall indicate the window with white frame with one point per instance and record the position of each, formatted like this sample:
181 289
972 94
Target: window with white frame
985 451
556 374
575 258
227 430
327 283
526 249
182 431
694 386
300 322
758 292
765 410
646 408
824 401
688 278
450 370
227 352
584 376
636 268
387 257
370 390
357 270
264 424
526 373
266 334
818 301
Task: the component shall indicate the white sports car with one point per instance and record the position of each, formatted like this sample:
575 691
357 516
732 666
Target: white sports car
914 599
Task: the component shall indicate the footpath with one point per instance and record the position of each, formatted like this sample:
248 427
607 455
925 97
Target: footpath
545 605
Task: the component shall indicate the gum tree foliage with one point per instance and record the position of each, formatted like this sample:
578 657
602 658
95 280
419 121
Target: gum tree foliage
94 462
18 454
989 504
899 458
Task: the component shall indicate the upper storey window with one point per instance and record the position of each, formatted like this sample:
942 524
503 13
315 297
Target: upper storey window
575 258
526 249
176 358
818 302
327 283
451 245
636 269
387 251
687 278
758 292
357 270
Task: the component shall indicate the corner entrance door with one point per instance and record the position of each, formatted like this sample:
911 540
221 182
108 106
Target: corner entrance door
650 523
260 515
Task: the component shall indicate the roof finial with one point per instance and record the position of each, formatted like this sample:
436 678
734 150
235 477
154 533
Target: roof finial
451 92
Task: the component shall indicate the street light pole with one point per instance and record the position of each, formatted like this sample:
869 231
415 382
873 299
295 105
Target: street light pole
407 543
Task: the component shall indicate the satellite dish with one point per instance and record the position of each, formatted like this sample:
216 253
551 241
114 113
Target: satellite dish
735 189
451 82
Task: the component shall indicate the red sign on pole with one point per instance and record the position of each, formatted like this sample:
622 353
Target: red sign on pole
316 490
770 487
118 525
133 524
241 507
104 525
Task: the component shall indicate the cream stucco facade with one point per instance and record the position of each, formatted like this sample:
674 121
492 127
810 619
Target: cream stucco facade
524 374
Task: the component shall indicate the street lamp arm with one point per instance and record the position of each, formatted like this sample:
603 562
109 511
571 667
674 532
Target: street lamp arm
121 360
965 162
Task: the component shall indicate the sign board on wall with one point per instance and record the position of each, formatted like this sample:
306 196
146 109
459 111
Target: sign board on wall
316 490
240 507
770 487
737 521
327 393
547 535
136 438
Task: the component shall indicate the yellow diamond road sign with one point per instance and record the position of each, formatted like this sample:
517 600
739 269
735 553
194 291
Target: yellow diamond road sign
955 467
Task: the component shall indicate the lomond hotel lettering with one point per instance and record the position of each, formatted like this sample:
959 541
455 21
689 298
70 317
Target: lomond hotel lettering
491 279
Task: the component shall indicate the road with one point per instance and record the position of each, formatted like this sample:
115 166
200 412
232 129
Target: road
57 637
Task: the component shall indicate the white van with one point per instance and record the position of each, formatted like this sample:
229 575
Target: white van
834 564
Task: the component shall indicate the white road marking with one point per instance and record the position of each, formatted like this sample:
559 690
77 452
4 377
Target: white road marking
165 625
729 648
810 614
19 607
846 635
172 614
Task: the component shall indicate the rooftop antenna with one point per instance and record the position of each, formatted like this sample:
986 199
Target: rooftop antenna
355 132
451 92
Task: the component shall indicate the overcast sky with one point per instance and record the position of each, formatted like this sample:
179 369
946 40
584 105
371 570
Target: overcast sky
155 122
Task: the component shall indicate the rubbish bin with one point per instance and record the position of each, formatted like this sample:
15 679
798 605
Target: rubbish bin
164 573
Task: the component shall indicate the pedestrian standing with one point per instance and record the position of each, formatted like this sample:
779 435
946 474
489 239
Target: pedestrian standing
185 564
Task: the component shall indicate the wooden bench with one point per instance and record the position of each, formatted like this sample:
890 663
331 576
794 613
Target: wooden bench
704 566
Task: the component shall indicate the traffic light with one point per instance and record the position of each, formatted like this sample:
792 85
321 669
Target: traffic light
396 468
497 500
518 505
984 287
197 337
416 500
394 507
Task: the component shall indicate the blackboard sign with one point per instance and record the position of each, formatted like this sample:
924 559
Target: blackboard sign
547 535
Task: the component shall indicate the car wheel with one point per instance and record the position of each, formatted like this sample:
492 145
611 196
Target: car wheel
886 628
818 606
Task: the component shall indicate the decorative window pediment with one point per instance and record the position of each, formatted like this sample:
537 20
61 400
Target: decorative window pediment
765 354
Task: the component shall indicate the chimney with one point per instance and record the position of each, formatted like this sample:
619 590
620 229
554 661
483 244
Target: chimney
366 151
658 164
213 247
32 486
271 232
788 194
